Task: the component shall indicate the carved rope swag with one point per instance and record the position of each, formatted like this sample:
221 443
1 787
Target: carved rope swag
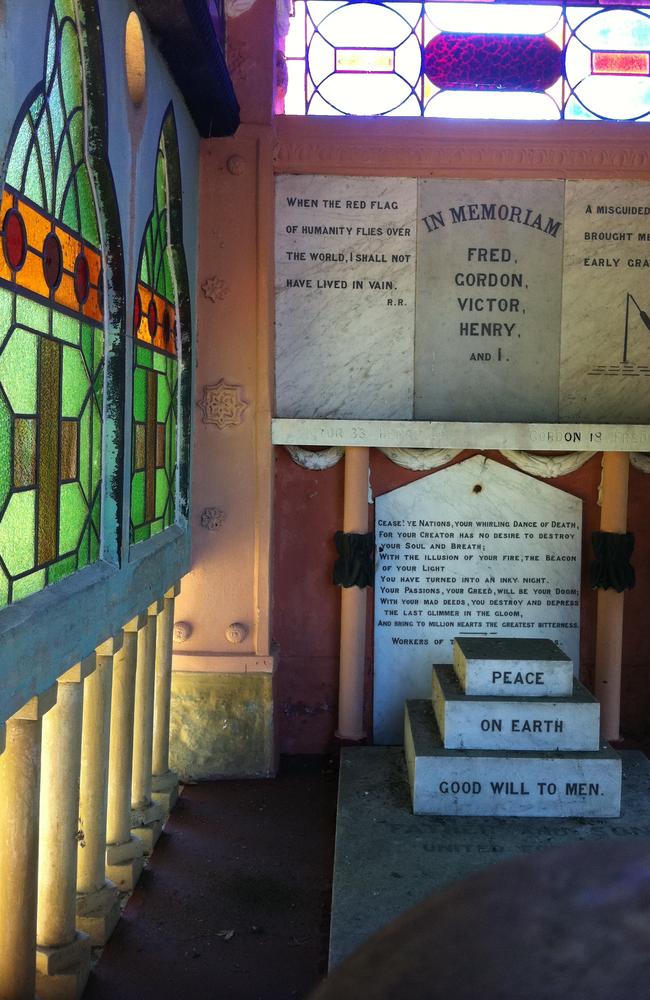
424 459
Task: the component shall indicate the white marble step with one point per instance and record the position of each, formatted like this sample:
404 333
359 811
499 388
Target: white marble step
472 722
490 665
500 783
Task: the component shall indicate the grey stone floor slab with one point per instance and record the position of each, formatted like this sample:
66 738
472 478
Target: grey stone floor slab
387 859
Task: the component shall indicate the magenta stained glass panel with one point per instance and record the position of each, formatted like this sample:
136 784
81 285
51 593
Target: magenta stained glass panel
492 62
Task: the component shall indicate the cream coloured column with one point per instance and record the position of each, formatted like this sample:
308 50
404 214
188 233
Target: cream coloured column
62 952
98 899
164 783
353 603
123 851
19 793
609 614
146 815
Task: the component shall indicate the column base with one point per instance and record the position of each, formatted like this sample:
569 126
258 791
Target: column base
147 825
124 863
62 973
165 790
98 913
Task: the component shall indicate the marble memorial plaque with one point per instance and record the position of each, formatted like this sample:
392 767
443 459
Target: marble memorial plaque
489 273
605 349
472 722
501 783
476 549
345 296
496 667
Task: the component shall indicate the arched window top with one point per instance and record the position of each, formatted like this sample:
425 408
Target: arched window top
159 308
502 60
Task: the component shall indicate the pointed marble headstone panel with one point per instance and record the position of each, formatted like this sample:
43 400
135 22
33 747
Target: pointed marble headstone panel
345 296
476 549
605 355
489 270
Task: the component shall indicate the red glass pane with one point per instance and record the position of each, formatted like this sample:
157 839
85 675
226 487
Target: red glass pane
15 240
152 318
167 326
100 290
620 63
52 260
137 313
81 278
492 62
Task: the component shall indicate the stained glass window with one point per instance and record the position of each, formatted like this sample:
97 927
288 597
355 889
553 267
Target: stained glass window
51 332
503 59
155 366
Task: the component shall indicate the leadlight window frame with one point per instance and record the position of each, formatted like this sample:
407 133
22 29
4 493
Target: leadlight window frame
71 291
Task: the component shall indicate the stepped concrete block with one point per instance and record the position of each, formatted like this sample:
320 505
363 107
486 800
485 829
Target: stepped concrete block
499 783
470 722
493 666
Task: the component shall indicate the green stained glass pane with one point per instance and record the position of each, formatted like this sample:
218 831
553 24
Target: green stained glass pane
137 498
172 372
28 584
65 328
99 346
139 395
159 362
73 510
84 450
164 399
18 370
17 532
75 382
16 164
162 491
96 514
87 346
169 287
6 307
97 454
63 174
144 357
32 314
98 386
143 273
71 208
70 60
84 554
57 117
4 589
89 228
35 184
47 157
5 451
94 547
141 534
156 527
172 438
62 568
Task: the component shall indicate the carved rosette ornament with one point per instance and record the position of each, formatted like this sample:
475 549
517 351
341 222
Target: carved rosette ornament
212 518
182 631
236 633
215 288
222 405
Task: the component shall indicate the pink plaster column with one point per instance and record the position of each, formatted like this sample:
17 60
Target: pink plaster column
609 622
353 603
